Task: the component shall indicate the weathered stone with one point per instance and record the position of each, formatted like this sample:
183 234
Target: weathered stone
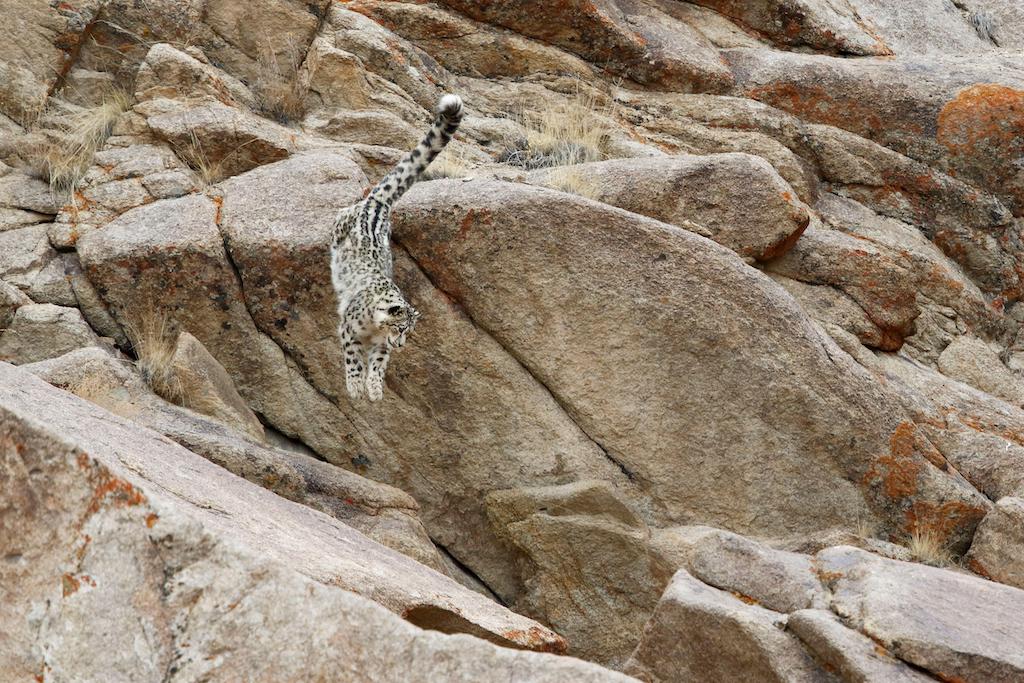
11 298
882 285
24 252
383 513
47 37
52 285
41 331
133 469
93 308
950 624
851 655
216 137
775 579
524 262
701 633
973 362
472 48
963 116
998 548
208 388
738 200
817 24
574 543
925 27
169 72
627 37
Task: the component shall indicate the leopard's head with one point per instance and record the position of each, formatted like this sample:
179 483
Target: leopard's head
394 316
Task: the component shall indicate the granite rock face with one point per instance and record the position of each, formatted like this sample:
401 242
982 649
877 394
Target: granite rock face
773 309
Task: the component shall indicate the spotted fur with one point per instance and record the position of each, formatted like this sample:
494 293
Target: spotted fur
374 316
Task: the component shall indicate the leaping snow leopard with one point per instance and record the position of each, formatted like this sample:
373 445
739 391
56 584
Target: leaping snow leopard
374 316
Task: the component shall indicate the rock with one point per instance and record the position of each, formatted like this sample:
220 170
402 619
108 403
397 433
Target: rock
979 434
992 462
92 306
973 362
737 199
817 24
385 514
540 269
851 655
41 331
168 258
144 532
631 39
132 474
472 48
998 548
575 542
371 128
208 387
171 73
961 116
19 191
950 624
832 306
218 140
24 252
11 298
52 285
775 579
48 37
701 633
927 27
1000 20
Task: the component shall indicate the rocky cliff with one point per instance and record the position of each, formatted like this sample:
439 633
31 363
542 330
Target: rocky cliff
720 374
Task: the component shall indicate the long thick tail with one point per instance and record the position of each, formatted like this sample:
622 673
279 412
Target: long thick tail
413 164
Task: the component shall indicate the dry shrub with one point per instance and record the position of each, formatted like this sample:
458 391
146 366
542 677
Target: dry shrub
450 163
153 342
63 161
280 86
571 179
193 155
928 548
571 133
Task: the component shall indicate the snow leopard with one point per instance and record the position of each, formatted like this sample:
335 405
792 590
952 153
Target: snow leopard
374 317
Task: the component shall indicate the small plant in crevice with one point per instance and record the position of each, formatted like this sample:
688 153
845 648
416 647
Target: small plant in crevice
280 85
193 155
928 548
573 132
572 180
63 159
450 163
154 338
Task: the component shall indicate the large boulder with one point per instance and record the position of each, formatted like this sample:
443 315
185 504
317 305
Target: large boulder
950 624
628 37
749 207
702 633
689 334
115 509
998 548
383 513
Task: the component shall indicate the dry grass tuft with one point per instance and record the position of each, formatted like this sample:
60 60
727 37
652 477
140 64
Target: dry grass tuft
572 133
572 180
450 163
195 157
64 161
281 83
865 528
927 548
153 342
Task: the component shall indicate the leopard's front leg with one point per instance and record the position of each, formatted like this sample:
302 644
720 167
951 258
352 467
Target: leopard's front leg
376 369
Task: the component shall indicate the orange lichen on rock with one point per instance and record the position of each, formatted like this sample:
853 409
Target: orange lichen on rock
983 130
